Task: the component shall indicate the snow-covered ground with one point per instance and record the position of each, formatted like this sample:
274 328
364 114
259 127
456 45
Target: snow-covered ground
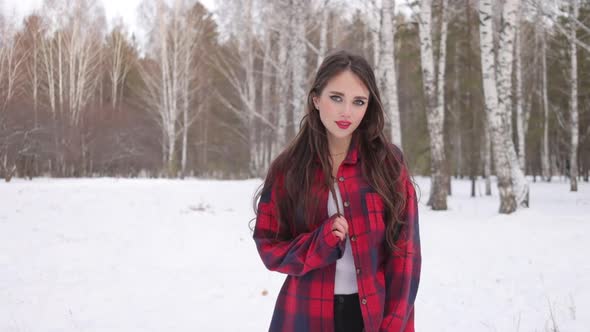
164 255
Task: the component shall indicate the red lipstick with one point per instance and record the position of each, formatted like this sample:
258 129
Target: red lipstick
343 124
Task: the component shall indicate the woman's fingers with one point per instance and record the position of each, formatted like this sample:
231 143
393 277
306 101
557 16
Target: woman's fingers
339 234
343 223
340 227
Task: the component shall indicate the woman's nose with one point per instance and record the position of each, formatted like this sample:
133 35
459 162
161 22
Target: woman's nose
347 110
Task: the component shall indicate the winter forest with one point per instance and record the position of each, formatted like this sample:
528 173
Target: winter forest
129 156
472 89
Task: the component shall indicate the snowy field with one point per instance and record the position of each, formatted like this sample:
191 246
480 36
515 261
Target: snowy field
165 255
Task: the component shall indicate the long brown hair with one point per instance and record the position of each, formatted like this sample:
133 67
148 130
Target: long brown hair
296 170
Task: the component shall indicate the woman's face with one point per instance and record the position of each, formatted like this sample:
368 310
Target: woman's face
342 105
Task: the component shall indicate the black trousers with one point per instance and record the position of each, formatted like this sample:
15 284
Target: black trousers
347 313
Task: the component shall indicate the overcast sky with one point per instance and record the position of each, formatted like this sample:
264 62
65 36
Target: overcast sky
127 9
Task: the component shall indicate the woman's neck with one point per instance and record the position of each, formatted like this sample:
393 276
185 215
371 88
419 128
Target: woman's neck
338 146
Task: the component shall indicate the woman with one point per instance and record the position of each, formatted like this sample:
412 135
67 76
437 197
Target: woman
338 213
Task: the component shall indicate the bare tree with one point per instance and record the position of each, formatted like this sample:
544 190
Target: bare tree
386 73
195 21
298 60
497 90
10 64
574 123
545 164
323 46
10 81
241 74
33 34
433 81
169 81
119 61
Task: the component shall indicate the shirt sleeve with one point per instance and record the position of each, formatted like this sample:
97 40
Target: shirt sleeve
402 268
299 255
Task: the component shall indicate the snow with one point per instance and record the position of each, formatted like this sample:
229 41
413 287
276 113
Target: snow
170 255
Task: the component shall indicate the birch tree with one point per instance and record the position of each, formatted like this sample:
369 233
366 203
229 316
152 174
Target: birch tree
298 61
33 33
323 44
520 116
545 163
197 23
10 80
574 132
282 82
11 64
240 72
386 73
119 62
497 91
433 83
174 32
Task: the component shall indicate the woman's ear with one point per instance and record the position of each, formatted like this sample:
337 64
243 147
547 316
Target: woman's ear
315 101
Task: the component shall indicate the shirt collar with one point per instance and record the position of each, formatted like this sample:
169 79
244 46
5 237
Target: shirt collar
353 151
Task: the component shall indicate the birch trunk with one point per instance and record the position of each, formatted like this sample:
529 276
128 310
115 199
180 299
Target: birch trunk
574 102
545 163
247 56
298 62
487 158
374 28
495 116
386 70
434 95
520 130
504 81
323 47
283 87
119 65
266 102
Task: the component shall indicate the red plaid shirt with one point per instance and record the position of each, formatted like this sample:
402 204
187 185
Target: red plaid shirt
387 280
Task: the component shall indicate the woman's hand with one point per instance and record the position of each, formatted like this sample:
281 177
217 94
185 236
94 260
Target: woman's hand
340 227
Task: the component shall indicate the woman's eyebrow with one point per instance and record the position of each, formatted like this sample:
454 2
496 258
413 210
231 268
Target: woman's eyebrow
342 94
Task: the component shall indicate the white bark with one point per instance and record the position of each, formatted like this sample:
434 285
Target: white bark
282 82
520 117
497 97
487 155
574 101
386 73
78 32
166 91
323 47
119 63
266 102
10 67
505 61
545 163
434 95
374 26
241 77
298 62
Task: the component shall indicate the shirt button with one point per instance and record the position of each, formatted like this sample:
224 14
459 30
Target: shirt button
353 238
341 179
346 204
364 301
358 271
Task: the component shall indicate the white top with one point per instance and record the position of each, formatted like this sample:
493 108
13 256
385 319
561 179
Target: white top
345 269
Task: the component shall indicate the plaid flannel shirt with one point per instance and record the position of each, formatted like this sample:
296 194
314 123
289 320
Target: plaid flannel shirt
387 280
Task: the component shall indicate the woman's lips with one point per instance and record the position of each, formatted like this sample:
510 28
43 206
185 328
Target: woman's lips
343 124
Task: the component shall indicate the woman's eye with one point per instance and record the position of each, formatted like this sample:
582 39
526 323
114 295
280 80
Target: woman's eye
359 102
336 98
